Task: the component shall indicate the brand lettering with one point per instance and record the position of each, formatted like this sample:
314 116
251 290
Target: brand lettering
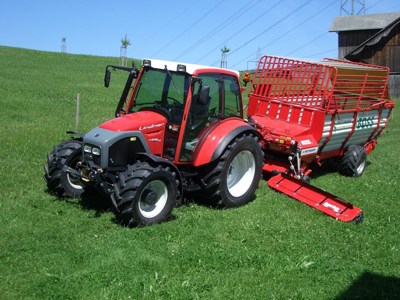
333 207
365 122
306 142
309 151
150 126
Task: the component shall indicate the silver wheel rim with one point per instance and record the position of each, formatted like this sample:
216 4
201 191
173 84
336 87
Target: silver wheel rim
361 167
153 199
241 173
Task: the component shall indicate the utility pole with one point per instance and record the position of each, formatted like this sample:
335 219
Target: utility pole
352 7
64 45
224 51
124 48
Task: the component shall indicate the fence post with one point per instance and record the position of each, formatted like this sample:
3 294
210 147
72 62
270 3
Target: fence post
77 112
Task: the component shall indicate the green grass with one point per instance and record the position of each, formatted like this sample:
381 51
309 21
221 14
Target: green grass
272 248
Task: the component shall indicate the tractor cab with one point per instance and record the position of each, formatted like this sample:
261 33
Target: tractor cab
174 105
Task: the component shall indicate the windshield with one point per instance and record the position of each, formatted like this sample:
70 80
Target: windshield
161 89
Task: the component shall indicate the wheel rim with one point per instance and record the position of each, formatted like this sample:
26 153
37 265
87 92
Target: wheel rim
153 199
241 173
361 167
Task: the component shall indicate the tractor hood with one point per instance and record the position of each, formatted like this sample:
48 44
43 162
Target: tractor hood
144 121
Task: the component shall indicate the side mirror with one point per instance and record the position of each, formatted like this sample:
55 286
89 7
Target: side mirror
107 78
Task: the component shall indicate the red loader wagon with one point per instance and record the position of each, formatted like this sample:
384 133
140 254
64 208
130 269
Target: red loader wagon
313 111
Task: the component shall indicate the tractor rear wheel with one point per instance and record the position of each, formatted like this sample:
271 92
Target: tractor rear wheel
236 175
145 194
354 161
60 183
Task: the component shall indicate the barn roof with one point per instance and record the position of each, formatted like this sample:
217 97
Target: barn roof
363 22
375 39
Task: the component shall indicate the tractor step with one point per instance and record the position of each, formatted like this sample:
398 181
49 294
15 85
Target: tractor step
316 198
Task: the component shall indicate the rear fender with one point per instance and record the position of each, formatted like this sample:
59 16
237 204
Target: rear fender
215 142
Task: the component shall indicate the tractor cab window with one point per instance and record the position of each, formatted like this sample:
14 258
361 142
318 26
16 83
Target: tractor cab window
214 97
162 91
232 102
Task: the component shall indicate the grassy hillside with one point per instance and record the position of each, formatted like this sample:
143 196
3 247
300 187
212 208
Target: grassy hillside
272 248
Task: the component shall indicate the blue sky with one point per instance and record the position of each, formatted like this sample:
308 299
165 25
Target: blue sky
187 31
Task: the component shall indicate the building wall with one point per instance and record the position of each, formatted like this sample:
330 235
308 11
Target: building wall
385 53
349 40
394 86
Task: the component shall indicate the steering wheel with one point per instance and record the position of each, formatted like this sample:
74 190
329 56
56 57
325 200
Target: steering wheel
235 112
174 100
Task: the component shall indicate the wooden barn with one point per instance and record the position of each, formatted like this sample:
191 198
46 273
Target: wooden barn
373 39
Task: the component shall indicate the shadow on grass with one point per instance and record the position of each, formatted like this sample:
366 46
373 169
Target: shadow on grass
100 202
92 200
372 286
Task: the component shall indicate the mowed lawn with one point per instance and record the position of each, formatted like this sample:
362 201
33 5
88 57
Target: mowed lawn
272 248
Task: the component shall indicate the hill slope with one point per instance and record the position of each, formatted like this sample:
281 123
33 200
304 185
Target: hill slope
272 248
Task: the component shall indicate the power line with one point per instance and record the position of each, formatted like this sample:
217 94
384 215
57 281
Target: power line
270 27
218 28
164 27
306 44
188 28
239 31
290 30
373 5
319 53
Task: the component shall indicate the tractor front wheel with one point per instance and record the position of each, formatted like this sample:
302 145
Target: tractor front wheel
67 153
145 194
354 161
236 175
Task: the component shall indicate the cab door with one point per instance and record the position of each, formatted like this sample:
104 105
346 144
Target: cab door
215 97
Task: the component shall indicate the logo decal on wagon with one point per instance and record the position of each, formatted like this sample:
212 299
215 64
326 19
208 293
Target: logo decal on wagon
309 151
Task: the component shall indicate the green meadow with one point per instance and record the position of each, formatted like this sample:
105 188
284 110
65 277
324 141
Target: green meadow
272 248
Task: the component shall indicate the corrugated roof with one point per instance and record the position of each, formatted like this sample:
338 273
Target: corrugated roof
363 22
374 40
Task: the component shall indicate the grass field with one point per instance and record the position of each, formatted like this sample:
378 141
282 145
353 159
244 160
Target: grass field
272 248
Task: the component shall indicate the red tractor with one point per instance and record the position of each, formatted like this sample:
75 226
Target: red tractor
179 129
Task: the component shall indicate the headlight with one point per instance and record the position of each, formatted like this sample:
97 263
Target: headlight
91 149
95 151
87 149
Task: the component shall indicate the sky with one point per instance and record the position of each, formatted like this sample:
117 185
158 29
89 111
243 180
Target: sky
181 30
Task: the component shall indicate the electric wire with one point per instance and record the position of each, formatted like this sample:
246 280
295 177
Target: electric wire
241 11
375 4
157 32
269 28
188 28
288 31
262 14
306 44
319 53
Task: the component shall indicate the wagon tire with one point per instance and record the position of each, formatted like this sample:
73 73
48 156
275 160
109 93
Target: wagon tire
60 183
354 161
145 194
235 176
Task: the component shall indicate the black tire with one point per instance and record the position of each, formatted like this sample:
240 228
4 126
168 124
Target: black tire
235 177
354 161
145 194
60 183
